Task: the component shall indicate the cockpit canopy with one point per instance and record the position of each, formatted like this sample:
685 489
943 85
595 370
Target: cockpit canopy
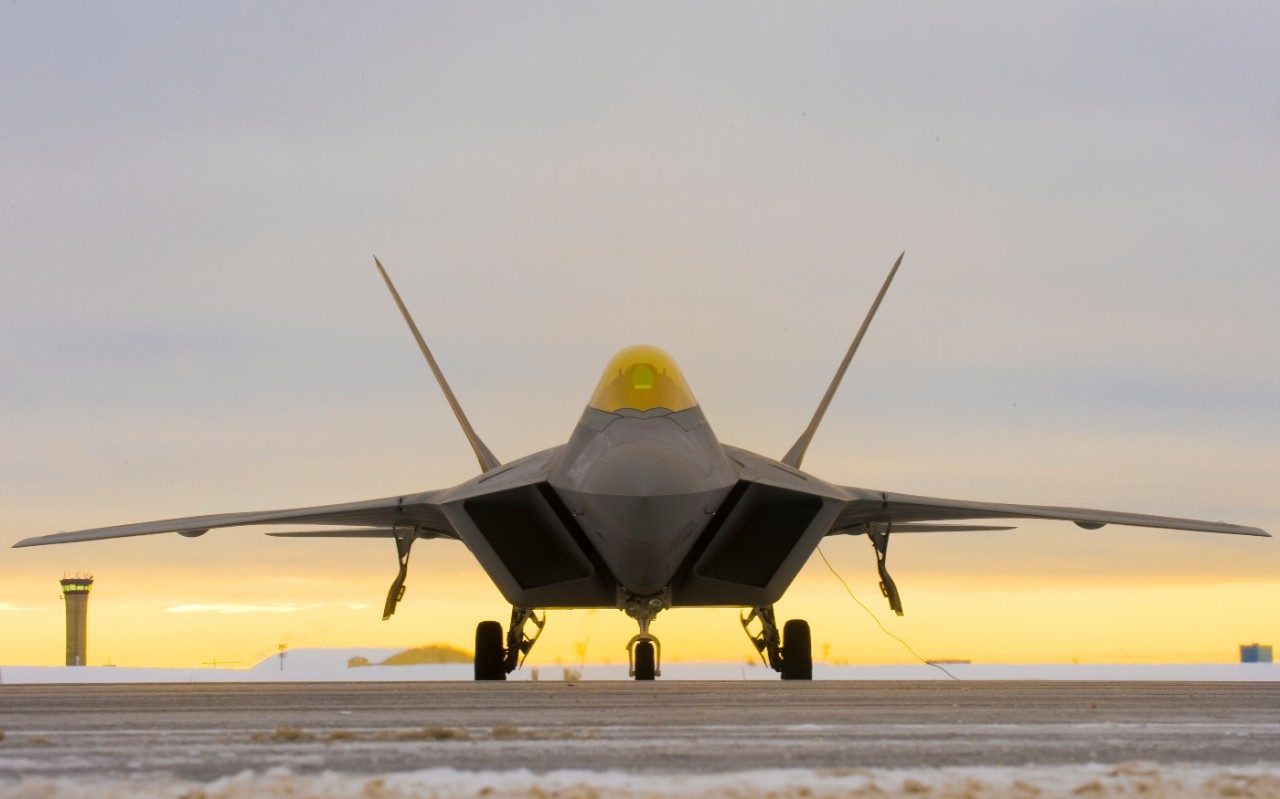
641 378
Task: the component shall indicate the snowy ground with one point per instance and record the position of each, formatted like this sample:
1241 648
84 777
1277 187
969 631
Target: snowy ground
323 665
379 740
1127 779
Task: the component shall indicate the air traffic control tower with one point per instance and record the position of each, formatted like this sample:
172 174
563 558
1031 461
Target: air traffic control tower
75 595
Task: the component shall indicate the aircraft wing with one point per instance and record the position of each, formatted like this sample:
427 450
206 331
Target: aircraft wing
878 514
909 527
413 510
355 532
866 507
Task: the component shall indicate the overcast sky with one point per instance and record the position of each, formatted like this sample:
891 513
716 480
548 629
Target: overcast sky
190 320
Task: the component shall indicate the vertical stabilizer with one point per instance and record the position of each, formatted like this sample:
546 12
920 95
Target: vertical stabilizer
796 453
483 455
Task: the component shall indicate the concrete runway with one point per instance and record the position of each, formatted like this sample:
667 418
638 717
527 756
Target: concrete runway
203 731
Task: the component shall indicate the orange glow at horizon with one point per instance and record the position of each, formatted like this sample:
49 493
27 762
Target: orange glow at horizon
135 622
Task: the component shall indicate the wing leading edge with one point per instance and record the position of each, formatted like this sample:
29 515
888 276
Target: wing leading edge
877 514
411 510
877 506
403 519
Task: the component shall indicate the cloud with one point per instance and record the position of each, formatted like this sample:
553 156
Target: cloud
230 608
9 606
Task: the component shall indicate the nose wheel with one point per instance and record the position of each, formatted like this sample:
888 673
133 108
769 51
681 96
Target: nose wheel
644 651
643 655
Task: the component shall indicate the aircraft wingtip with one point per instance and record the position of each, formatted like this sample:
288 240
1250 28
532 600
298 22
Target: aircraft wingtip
1257 532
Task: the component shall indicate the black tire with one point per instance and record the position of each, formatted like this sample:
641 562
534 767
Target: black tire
646 664
491 656
797 651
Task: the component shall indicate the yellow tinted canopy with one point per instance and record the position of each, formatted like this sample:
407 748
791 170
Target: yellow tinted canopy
642 378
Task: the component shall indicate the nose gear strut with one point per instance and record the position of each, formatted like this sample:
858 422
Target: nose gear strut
644 650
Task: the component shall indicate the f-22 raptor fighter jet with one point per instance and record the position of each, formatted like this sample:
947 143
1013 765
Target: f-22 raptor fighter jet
642 510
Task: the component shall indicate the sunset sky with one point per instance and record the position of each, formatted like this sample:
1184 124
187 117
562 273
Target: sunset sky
190 320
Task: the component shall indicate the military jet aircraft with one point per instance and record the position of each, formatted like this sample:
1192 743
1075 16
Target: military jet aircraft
643 509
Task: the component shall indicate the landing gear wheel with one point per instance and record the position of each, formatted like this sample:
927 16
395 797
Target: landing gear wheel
797 651
646 664
491 656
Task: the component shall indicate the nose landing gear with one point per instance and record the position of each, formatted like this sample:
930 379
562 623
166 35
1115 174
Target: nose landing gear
644 651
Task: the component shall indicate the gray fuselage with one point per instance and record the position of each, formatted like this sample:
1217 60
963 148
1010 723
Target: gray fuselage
643 487
641 504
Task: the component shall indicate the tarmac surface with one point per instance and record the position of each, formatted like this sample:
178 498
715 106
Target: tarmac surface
206 731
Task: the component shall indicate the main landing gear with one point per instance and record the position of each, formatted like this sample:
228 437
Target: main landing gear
788 652
495 657
791 653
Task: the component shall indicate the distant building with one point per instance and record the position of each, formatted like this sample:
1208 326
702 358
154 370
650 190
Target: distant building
1255 653
75 595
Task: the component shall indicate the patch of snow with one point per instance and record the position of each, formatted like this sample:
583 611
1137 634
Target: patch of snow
1127 779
